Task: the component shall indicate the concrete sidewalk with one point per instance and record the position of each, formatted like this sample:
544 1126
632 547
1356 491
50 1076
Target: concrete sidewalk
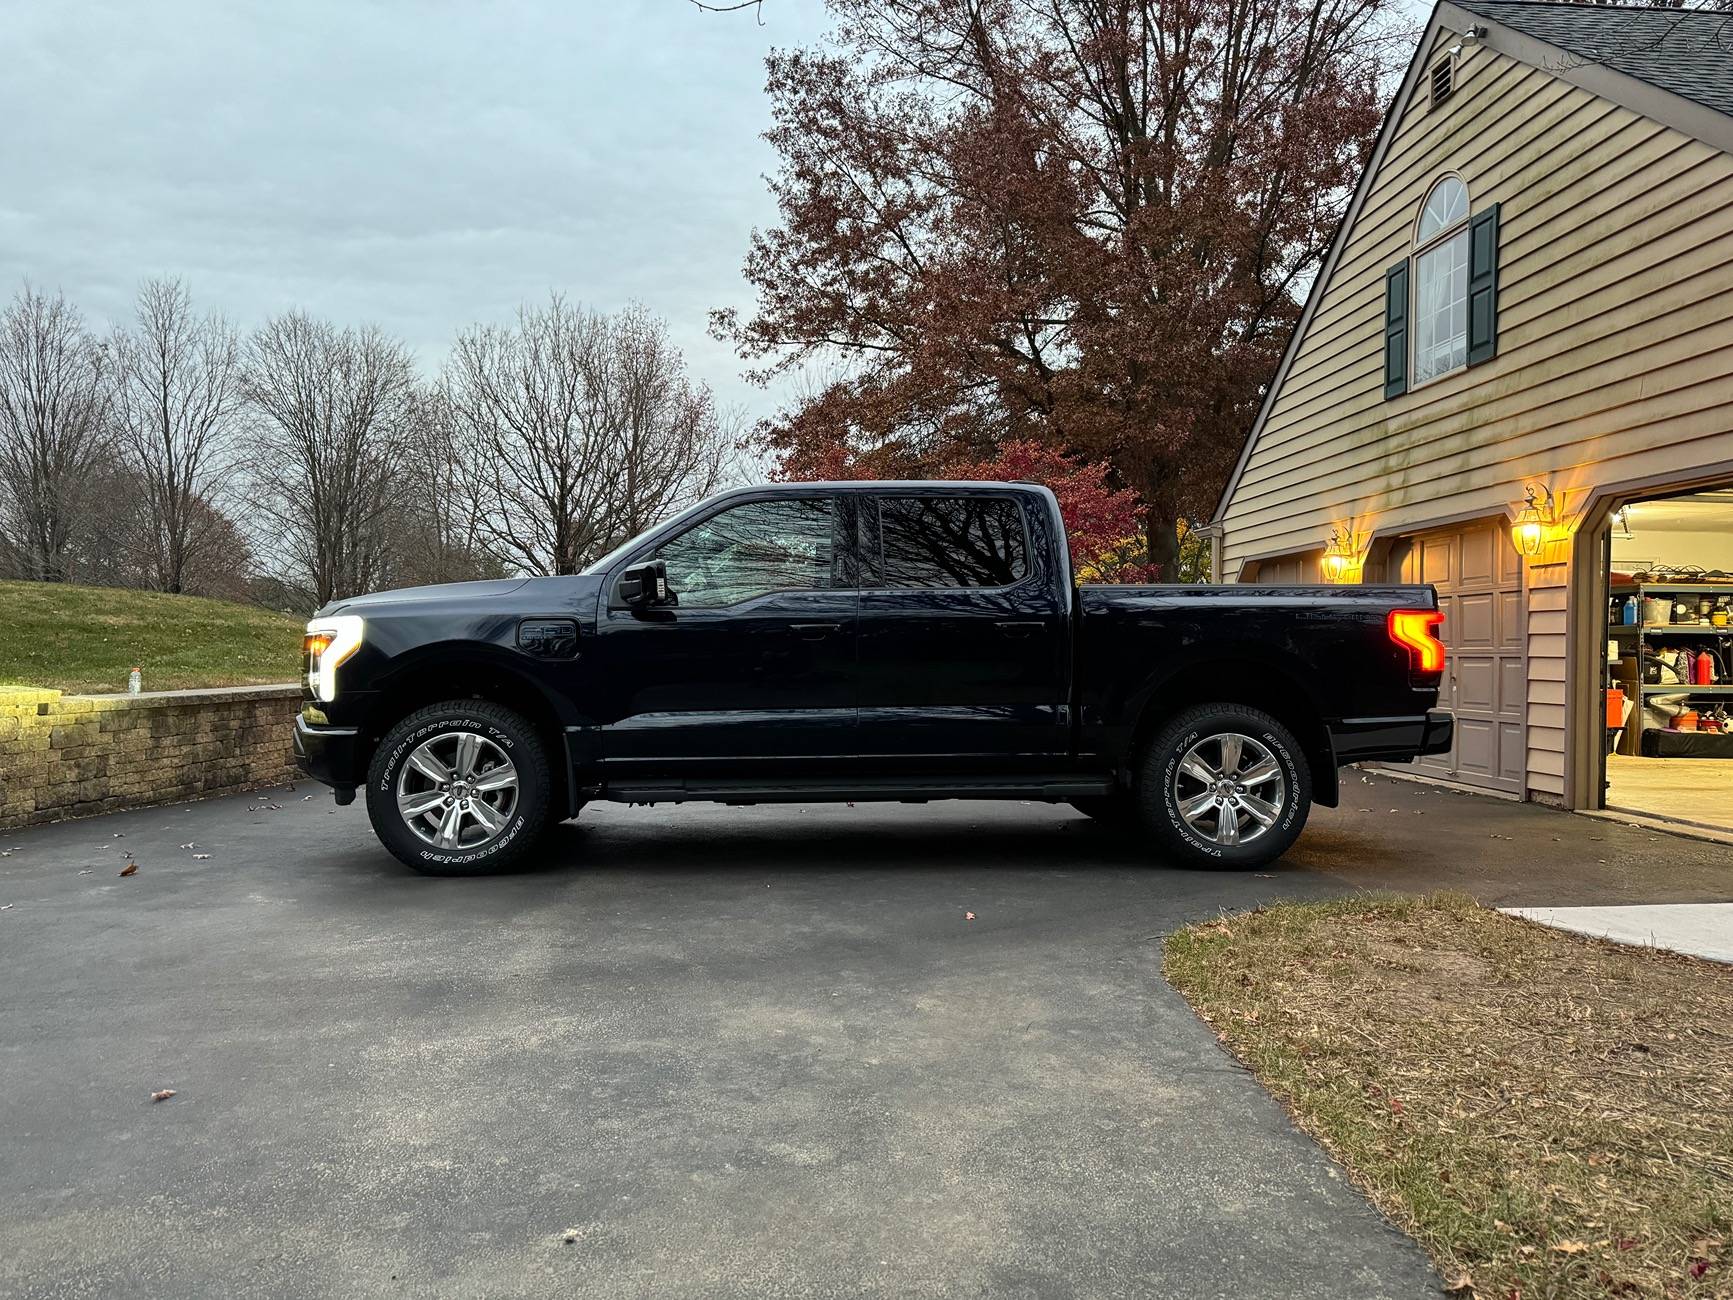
1699 929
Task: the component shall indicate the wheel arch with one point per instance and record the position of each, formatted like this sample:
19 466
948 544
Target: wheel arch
459 672
1253 683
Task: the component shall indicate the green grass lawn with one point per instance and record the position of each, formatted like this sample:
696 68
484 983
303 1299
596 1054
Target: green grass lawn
87 639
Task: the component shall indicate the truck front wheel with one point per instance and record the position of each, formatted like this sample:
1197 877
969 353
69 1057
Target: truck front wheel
1224 786
459 788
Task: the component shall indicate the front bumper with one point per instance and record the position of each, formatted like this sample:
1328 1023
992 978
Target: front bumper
331 755
1399 740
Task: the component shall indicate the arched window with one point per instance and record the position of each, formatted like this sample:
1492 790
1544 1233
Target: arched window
1441 281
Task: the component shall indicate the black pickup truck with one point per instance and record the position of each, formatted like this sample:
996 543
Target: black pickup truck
861 641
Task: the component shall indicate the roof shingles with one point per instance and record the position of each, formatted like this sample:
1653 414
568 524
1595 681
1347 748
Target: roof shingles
1688 52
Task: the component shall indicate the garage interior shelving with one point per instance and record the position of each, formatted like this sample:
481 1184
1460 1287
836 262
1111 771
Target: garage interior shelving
1643 634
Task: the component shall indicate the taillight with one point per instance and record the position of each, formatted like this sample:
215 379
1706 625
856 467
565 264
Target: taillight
1412 629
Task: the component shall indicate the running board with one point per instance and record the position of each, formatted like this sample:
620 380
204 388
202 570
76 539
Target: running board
1051 789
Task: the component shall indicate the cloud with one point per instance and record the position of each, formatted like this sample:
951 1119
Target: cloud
419 165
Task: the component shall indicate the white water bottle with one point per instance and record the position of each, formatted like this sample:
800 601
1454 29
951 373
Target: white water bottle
134 682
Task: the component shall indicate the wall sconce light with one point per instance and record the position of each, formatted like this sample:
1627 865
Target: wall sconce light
1537 515
1341 557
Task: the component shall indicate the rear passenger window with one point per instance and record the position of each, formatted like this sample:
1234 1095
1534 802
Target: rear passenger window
951 542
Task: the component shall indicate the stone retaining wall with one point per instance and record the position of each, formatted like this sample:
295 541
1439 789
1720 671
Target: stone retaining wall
73 755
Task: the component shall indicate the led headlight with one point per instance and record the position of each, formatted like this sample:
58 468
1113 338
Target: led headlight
328 643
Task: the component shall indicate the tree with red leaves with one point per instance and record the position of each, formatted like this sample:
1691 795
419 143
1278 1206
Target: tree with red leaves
1102 523
1081 224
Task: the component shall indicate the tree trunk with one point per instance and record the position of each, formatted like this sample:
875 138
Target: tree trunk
1161 529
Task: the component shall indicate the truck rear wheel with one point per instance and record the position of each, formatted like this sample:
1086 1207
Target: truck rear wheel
1224 786
459 788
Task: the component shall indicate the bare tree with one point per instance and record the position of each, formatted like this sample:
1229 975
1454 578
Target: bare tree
438 534
177 389
54 396
330 417
583 427
674 447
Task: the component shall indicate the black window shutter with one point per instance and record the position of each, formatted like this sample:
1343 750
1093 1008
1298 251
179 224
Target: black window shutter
1483 286
1396 329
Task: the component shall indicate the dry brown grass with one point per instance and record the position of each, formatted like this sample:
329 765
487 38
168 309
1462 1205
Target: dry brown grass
1550 1116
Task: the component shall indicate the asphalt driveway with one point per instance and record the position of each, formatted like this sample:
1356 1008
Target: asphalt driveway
749 1052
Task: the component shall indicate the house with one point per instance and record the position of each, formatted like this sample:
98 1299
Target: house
1513 378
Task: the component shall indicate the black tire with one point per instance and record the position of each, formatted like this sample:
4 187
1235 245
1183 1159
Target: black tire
1164 796
499 733
1117 811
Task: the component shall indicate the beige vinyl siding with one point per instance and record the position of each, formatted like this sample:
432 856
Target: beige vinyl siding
1548 637
1615 336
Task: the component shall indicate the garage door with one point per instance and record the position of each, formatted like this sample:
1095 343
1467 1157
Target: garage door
1289 570
1479 579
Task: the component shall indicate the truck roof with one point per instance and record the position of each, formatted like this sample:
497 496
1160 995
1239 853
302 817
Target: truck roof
887 485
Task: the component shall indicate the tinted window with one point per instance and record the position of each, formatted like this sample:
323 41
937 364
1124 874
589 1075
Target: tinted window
951 542
751 550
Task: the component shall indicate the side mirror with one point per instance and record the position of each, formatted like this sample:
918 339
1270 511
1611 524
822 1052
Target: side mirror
646 586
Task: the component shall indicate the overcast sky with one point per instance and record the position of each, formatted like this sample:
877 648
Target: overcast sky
418 165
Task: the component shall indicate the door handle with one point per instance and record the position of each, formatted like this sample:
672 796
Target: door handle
1017 629
814 631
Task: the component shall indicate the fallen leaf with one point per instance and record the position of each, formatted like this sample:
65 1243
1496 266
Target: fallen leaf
190 844
129 868
7 907
1627 1243
1569 1247
1458 1284
1396 1105
163 1095
968 916
200 857
1698 1268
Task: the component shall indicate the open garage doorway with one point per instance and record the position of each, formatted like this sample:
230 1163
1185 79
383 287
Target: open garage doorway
1669 658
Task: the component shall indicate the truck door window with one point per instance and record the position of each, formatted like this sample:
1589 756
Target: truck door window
752 550
951 542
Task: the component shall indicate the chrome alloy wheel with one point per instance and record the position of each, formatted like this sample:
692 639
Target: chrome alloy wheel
1230 788
457 790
